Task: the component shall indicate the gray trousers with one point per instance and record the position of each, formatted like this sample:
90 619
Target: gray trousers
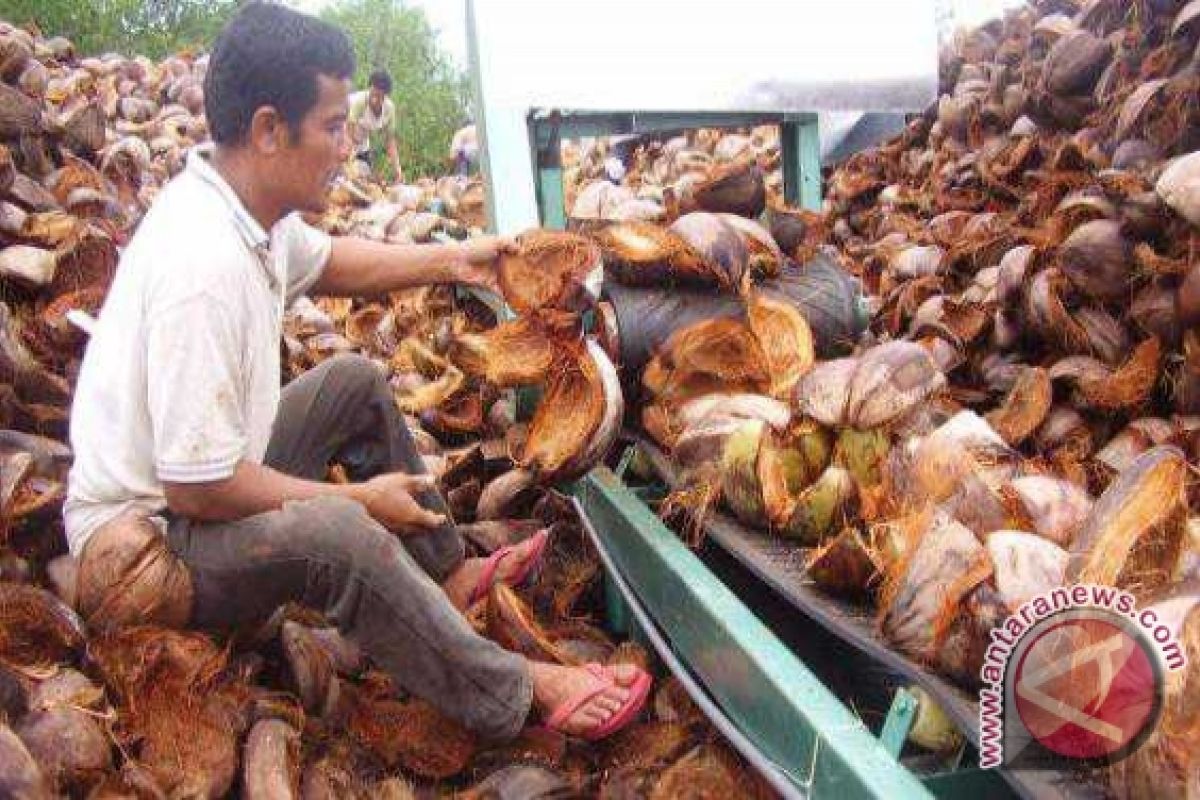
381 591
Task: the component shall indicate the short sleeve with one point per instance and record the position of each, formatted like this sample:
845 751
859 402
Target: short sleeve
306 251
358 104
194 390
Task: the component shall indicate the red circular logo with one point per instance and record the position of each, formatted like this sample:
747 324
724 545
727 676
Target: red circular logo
1086 687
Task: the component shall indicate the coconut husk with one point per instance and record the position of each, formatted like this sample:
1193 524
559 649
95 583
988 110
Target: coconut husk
551 271
128 576
1024 566
514 353
829 504
785 339
644 254
36 628
1025 408
735 188
181 714
412 734
271 761
1124 389
20 774
766 258
20 115
578 418
1165 764
1135 534
646 745
844 565
710 771
720 247
511 624
68 744
507 496
1056 509
522 781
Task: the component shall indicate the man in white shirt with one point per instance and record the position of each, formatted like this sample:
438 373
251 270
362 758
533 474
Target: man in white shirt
179 419
373 116
464 150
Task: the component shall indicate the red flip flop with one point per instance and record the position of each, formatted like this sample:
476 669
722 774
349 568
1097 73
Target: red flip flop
532 560
639 691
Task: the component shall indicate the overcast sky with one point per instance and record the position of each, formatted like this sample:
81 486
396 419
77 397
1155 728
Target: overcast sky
447 17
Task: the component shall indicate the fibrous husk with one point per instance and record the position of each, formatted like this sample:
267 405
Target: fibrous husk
551 271
579 416
643 254
721 249
735 188
523 781
875 389
128 575
844 565
715 355
504 497
29 266
710 771
36 628
1024 566
1135 534
1179 187
1025 408
766 258
20 115
646 745
20 775
271 761
1055 508
829 504
411 734
1103 389
181 712
513 353
1075 62
1165 765
511 624
68 743
1097 259
785 339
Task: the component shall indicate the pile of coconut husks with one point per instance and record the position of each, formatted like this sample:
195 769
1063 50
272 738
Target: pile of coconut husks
108 707
1024 410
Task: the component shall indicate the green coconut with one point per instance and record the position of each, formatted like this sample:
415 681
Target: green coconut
740 484
863 454
826 504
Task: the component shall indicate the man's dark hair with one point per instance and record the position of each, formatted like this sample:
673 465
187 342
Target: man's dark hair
381 81
270 55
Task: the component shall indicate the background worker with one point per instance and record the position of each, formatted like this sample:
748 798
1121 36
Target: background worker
373 117
464 149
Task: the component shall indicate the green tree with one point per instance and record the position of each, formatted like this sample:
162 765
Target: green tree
154 28
429 92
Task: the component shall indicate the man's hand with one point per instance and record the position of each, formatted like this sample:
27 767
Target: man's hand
389 499
477 261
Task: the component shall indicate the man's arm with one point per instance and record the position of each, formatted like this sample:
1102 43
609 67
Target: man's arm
253 489
362 267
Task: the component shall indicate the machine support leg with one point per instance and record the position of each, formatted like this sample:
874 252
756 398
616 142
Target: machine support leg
801 142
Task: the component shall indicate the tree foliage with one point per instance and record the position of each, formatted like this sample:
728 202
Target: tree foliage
154 28
429 92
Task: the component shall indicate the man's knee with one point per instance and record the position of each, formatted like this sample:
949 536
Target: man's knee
339 530
355 372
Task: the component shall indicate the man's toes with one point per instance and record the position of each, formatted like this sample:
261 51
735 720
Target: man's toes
609 704
624 674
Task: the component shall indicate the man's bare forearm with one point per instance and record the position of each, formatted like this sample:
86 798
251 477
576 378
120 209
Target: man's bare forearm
360 266
251 489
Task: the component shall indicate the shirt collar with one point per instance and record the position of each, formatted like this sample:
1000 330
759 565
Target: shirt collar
198 164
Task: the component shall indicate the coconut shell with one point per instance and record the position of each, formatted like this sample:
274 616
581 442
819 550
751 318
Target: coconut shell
128 575
20 775
1136 532
551 271
271 762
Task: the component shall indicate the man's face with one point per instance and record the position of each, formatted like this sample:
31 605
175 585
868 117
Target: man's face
375 97
307 165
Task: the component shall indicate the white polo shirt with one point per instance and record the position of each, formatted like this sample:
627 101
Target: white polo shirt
360 114
181 377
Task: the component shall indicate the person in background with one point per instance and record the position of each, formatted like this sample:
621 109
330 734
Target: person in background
464 149
373 116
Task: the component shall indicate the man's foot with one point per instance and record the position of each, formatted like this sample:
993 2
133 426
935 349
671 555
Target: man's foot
555 686
462 583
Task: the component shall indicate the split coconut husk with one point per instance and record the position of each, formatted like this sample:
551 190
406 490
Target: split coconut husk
720 247
20 775
1135 535
511 624
271 761
128 575
716 355
412 734
785 339
875 389
845 565
551 271
1025 566
516 353
578 418
1056 509
1025 408
37 630
644 254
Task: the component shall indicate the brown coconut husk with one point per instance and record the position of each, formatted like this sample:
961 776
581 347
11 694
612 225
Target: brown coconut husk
711 771
513 353
579 416
128 576
785 339
271 761
1123 389
1055 509
524 781
645 254
1025 408
20 775
735 188
511 624
720 247
709 354
845 565
1135 534
69 744
507 496
412 734
181 713
37 630
646 745
551 271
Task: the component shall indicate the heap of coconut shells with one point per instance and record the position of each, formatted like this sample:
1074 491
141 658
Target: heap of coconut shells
123 700
1022 413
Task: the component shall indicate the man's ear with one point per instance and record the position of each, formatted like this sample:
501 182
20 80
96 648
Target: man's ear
268 131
